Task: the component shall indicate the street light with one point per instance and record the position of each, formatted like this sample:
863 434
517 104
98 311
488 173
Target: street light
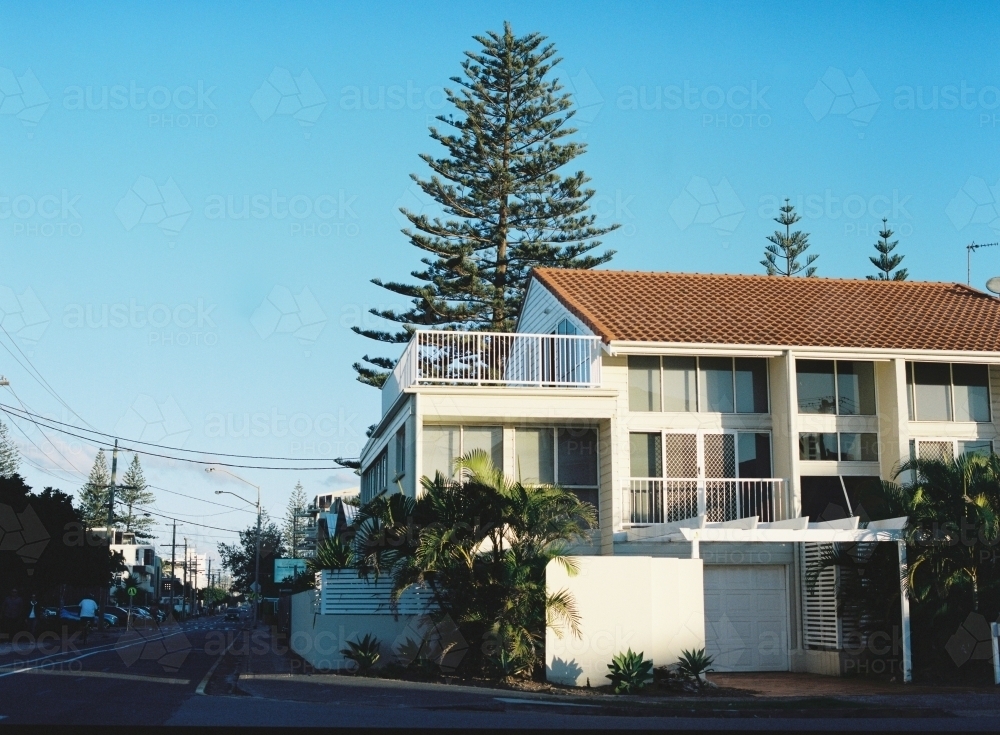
256 574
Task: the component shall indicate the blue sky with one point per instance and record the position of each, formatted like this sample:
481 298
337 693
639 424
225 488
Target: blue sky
157 304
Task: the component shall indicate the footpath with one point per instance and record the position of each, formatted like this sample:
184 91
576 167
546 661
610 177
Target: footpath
260 665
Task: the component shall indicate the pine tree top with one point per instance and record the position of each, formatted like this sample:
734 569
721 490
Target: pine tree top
886 262
781 256
507 204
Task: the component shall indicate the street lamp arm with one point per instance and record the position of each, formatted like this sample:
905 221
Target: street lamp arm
230 492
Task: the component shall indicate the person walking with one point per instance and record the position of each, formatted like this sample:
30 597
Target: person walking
88 610
34 614
11 613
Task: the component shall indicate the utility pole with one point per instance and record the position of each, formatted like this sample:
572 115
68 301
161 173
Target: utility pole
184 596
194 583
111 489
173 568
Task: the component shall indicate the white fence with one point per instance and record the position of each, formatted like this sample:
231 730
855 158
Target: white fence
492 358
343 592
647 500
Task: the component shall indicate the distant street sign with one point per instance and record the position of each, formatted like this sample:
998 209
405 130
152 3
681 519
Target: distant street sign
255 588
132 591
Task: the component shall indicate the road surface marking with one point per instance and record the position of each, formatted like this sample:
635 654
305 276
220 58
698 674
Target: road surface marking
109 675
93 652
512 700
204 682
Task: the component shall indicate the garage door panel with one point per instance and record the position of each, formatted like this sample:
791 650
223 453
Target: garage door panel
746 618
769 603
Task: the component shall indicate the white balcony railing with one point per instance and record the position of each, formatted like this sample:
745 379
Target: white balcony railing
647 500
493 358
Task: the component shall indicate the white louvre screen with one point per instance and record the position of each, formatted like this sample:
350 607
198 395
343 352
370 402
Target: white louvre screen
820 627
342 592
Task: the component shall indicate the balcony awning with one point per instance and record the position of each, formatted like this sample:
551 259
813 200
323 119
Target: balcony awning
751 530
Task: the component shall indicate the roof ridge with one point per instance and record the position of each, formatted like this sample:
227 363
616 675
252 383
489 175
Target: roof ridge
754 276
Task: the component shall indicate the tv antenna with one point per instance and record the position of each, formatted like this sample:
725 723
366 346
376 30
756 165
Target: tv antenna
968 257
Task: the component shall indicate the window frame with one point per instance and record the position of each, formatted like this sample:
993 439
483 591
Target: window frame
836 392
954 441
369 478
698 379
399 440
461 442
839 448
555 453
700 444
911 394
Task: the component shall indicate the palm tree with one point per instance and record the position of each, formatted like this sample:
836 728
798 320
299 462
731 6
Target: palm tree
952 510
953 515
483 542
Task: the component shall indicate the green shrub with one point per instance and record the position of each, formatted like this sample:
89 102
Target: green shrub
693 664
331 554
629 672
365 653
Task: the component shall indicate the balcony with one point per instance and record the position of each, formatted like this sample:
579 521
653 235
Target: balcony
499 359
652 500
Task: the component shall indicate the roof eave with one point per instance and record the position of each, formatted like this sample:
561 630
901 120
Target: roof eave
635 347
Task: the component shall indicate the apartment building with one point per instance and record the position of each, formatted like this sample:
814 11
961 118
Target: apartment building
676 401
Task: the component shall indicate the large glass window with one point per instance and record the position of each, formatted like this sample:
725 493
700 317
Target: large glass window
487 438
534 457
444 444
972 392
745 454
566 457
441 447
982 448
814 446
931 385
400 452
948 392
709 384
680 383
848 447
646 455
817 386
844 387
754 452
855 388
716 384
644 383
576 457
751 386
861 447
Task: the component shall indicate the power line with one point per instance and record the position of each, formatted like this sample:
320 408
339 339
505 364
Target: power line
176 449
180 520
202 500
15 413
58 451
37 375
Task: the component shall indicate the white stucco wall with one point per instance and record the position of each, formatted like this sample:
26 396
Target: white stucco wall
652 605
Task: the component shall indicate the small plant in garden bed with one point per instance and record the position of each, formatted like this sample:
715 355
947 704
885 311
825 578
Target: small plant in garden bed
629 672
693 665
365 653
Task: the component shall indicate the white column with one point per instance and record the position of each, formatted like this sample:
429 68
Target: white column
904 606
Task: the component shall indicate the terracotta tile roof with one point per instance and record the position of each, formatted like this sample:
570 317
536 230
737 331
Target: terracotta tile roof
778 311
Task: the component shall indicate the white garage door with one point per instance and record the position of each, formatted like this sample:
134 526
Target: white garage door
746 617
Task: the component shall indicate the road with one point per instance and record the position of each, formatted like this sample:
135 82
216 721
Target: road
183 675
